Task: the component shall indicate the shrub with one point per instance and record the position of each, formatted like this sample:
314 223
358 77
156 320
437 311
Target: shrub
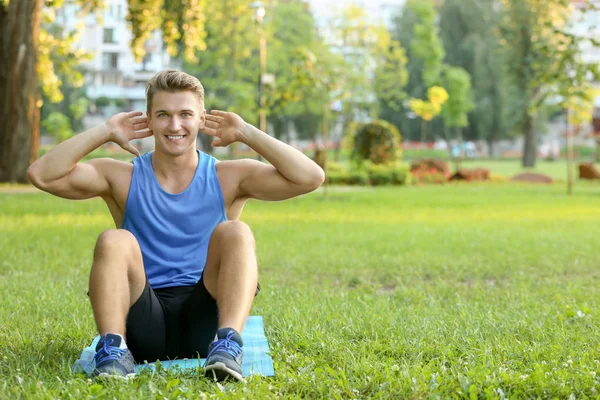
58 126
348 177
378 142
122 103
430 171
349 134
389 174
102 102
333 166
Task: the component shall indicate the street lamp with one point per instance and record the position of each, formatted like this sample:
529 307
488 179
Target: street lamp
262 42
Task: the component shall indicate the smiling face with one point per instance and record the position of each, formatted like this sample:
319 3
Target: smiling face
175 119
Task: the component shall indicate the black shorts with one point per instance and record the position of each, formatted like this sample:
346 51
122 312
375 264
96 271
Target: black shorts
175 322
172 323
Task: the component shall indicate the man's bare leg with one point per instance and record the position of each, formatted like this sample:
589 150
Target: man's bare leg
117 279
230 277
231 272
116 282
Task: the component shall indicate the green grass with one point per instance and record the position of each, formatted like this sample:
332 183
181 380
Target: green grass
466 291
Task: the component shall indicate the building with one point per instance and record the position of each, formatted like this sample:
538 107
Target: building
586 23
112 75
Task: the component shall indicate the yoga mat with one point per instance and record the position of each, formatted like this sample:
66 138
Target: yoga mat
256 354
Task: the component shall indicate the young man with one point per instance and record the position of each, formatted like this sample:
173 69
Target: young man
178 275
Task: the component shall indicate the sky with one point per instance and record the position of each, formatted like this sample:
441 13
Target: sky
378 9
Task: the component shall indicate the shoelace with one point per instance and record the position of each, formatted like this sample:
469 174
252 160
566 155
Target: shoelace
227 345
108 352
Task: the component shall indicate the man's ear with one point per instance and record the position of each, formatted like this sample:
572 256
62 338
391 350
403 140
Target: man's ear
202 119
148 117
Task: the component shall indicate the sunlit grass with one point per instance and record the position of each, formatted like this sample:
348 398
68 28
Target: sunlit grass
462 290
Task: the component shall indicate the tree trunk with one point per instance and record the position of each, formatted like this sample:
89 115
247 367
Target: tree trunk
597 154
490 143
205 143
530 146
20 23
325 131
569 159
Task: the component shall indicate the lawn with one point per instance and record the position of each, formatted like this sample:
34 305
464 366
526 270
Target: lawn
468 291
557 170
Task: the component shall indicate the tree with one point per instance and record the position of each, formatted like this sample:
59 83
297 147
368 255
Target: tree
295 46
20 33
539 46
574 88
579 106
61 80
409 27
36 57
374 71
469 31
391 76
228 67
427 46
428 110
426 43
58 126
459 103
20 22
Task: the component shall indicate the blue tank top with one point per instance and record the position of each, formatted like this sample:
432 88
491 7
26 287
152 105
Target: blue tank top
173 230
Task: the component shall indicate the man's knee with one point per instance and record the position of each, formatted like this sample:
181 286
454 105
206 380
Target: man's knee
115 240
234 231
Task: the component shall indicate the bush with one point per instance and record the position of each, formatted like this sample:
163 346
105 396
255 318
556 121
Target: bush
430 171
122 103
102 102
378 142
333 166
58 126
390 174
348 178
375 174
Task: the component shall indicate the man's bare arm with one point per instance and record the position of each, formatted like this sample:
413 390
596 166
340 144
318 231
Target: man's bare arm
59 171
290 174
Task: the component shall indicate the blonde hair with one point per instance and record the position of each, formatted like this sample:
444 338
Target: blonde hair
171 80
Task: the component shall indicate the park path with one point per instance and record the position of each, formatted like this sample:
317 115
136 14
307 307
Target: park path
24 189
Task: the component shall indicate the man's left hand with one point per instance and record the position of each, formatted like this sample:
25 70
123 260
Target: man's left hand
225 127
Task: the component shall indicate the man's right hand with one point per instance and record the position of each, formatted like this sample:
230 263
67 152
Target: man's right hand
124 127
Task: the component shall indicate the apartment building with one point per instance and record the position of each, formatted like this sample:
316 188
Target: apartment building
113 73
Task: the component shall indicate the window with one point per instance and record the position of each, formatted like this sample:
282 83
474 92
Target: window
109 35
110 60
109 79
147 60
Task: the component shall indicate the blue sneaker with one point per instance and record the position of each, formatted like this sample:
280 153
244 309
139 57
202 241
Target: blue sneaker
112 359
225 355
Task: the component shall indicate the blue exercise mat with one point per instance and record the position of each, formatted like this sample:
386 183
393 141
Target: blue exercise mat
256 354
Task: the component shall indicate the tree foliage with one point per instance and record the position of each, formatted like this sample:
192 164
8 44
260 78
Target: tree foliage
428 110
184 32
426 43
182 23
457 82
58 126
469 31
391 76
543 53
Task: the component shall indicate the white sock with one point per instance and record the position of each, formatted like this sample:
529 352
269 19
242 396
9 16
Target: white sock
123 345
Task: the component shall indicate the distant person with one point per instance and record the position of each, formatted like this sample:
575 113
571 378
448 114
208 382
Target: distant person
178 275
